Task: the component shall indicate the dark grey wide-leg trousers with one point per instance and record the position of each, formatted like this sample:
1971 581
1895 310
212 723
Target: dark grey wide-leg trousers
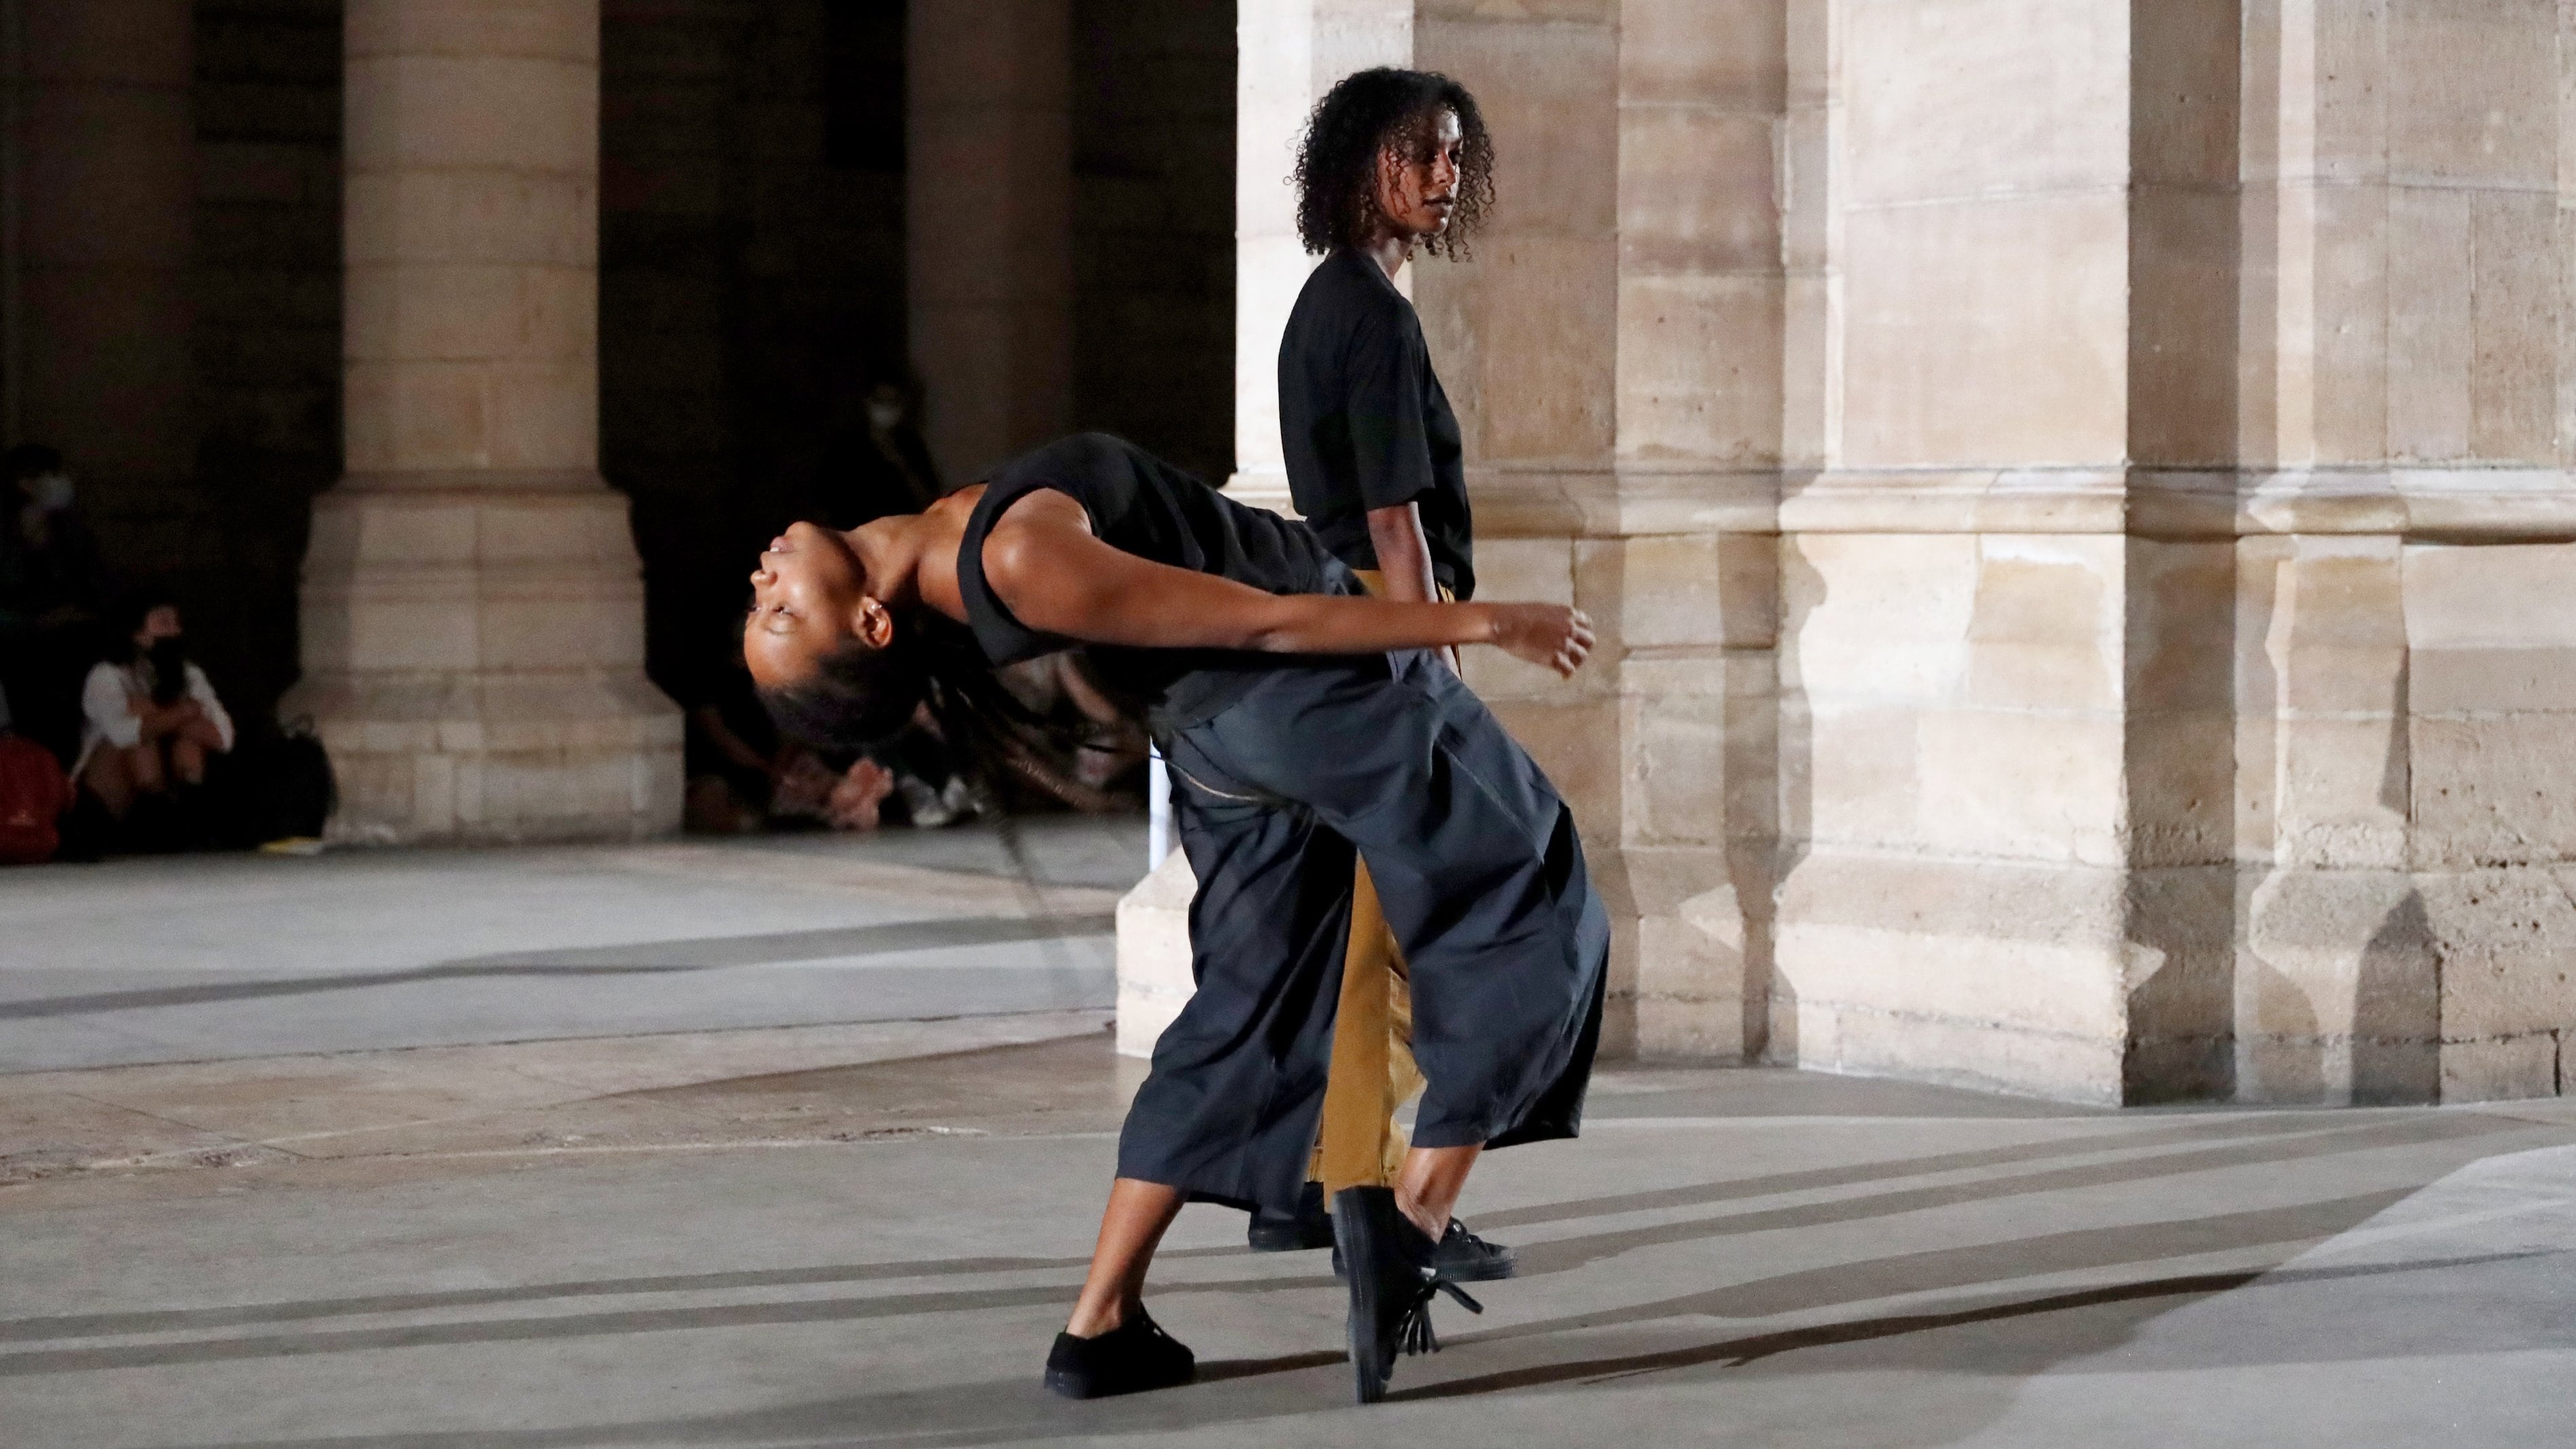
1483 881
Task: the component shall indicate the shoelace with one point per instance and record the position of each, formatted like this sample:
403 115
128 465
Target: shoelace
1152 1329
1413 1328
1468 1236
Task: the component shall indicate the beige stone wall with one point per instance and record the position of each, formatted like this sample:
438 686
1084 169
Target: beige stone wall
2075 493
1613 345
2181 428
1289 52
2405 429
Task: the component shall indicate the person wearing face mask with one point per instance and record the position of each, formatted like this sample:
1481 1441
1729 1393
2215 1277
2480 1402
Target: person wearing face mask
1393 163
151 718
52 594
877 466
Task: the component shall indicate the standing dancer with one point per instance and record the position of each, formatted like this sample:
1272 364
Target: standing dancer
1393 161
1287 767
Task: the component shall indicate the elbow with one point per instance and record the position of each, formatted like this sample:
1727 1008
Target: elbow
1271 639
1281 631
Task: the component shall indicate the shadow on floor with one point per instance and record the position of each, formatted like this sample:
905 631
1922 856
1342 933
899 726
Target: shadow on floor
1945 1269
1246 1391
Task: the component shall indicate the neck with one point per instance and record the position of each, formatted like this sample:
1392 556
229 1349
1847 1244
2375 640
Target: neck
913 554
890 551
1390 250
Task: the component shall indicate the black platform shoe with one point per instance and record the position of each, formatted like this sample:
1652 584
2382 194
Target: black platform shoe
1130 1359
1312 1227
1393 1277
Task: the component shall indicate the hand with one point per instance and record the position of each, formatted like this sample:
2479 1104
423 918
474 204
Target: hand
854 801
804 787
1550 635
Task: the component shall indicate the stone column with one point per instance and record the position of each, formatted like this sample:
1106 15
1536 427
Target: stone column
103 180
988 209
1614 348
2409 420
1289 52
473 612
2004 729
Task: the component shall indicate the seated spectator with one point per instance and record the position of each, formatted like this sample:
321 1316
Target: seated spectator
875 463
150 717
744 777
52 594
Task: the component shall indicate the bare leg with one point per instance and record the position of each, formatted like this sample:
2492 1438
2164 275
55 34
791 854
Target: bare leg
1428 1189
1129 1231
143 767
191 745
109 777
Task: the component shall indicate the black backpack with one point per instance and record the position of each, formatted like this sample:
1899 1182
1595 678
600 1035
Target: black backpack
275 786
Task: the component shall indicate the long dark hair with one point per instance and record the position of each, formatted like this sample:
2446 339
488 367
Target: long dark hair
859 697
1365 113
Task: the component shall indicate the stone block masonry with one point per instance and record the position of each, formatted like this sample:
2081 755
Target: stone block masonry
2075 495
473 612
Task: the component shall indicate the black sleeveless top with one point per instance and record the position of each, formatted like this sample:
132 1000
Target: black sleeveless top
1142 505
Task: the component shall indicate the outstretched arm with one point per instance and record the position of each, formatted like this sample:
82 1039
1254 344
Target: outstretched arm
1049 570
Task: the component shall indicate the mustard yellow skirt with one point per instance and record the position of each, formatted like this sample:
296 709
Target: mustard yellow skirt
1373 1074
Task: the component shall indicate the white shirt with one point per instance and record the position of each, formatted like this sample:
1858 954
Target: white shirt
108 715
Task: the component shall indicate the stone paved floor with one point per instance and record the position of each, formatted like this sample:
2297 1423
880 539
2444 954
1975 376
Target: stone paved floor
200 957
877 1253
317 1191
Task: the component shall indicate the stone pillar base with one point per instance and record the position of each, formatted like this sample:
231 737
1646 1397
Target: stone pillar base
1154 980
474 663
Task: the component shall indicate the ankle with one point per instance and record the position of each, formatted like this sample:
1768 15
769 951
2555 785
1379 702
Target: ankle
1432 1224
1093 1322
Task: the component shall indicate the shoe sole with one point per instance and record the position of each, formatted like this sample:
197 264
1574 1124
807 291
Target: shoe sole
1481 1273
1070 1385
1284 1240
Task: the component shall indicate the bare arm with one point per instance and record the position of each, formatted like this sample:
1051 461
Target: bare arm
1049 570
1403 554
165 719
1404 560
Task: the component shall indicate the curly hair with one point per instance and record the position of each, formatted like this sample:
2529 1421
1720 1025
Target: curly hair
1370 111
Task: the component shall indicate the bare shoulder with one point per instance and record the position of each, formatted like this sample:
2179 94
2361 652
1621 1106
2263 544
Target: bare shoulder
1031 534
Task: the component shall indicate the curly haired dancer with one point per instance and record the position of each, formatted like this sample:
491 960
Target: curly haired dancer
1308 725
1393 162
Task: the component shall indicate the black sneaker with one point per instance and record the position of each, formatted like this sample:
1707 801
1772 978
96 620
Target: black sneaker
1393 1279
1462 1257
1312 1227
1130 1359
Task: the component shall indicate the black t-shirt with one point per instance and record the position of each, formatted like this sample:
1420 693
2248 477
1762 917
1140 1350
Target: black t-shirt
1142 505
1365 423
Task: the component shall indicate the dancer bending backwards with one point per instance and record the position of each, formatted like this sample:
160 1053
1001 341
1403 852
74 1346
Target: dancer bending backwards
1307 726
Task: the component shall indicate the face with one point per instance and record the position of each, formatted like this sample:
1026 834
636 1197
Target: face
808 598
160 623
1417 192
48 491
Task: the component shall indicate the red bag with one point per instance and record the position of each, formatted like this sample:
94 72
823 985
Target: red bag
33 796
